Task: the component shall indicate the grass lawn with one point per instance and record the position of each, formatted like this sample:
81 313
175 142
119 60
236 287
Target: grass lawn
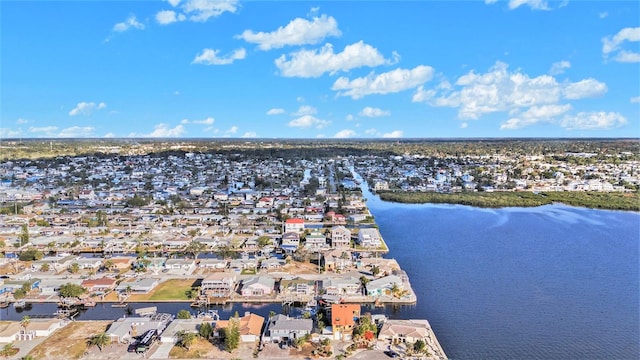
199 349
173 289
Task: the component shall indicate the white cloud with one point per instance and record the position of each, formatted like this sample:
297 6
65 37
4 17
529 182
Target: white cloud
232 130
313 63
499 90
250 134
109 135
297 32
308 121
534 4
210 57
558 68
346 133
373 112
371 132
86 108
593 121
76 131
131 22
393 134
603 15
162 131
464 125
612 44
207 121
166 17
6 133
534 115
349 117
275 111
174 3
584 89
635 99
305 110
202 10
22 121
43 129
390 82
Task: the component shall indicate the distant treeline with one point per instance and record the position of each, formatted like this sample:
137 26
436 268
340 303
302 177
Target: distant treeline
594 200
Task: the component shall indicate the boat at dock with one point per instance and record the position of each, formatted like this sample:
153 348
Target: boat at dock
20 304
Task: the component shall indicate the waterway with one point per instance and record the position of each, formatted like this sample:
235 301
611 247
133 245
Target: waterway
552 282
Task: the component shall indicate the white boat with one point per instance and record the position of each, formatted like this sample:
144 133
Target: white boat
19 304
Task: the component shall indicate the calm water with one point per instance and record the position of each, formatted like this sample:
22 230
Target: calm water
552 282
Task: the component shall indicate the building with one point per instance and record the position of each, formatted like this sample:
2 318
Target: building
294 225
258 286
340 237
218 285
250 326
284 328
343 320
369 237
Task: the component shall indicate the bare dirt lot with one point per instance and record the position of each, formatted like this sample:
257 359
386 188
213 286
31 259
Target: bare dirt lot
69 342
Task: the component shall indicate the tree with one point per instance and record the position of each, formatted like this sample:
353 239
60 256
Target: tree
71 290
232 335
108 264
186 338
24 235
25 322
9 350
419 346
184 314
44 267
31 254
206 330
100 340
74 268
375 270
363 282
195 248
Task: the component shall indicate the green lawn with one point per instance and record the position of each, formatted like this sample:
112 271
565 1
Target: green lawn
174 289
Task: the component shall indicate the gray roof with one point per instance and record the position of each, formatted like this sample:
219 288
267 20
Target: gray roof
282 322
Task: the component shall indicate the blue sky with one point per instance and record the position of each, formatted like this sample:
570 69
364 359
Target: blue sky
318 69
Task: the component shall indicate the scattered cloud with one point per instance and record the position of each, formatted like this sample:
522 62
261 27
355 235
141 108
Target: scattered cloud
307 121
50 130
131 22
371 132
559 67
593 121
250 134
533 4
390 82
315 62
305 110
344 134
196 10
635 99
534 115
349 117
166 17
373 112
210 57
6 133
86 108
297 32
109 135
584 89
22 121
464 125
300 99
176 93
603 15
163 131
76 132
232 130
611 45
275 111
393 134
207 121
500 90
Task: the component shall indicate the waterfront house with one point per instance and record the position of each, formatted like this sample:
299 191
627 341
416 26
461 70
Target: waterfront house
41 328
170 334
138 286
284 328
122 262
258 286
294 225
343 319
369 237
213 264
125 329
51 286
218 285
290 241
408 331
9 331
297 286
88 263
341 286
99 286
250 326
337 260
271 263
340 237
242 264
181 266
384 286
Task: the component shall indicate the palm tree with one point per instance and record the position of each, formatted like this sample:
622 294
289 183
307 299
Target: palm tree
44 267
26 320
186 338
100 340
